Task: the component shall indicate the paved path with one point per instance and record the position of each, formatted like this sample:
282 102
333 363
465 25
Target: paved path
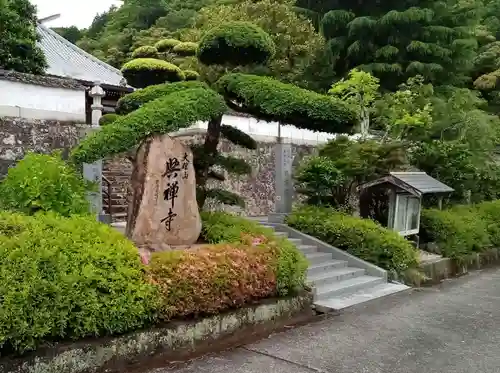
454 328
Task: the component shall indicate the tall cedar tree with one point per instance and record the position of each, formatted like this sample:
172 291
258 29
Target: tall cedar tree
18 49
166 107
396 40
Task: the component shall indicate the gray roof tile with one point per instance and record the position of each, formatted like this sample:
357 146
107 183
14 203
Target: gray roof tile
67 60
422 182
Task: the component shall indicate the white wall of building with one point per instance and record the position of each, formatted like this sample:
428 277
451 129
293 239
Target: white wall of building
38 102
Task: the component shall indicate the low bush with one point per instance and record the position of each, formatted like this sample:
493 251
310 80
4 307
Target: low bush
143 72
290 265
211 279
490 213
146 51
362 238
42 182
108 119
191 75
166 45
462 230
67 278
185 49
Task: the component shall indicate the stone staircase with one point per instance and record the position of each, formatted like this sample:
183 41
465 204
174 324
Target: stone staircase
338 279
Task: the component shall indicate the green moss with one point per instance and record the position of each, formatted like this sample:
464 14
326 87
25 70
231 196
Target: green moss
185 49
145 52
143 72
161 116
191 75
269 99
135 100
236 43
166 45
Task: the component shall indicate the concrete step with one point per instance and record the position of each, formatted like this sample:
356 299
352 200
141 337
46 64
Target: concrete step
295 241
316 269
349 286
335 275
307 249
281 234
368 294
318 258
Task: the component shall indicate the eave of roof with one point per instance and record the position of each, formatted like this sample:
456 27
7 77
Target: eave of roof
42 80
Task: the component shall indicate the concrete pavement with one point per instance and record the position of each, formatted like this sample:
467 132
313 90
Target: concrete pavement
454 328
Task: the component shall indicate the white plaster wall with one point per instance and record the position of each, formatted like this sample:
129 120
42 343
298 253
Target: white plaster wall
262 129
41 102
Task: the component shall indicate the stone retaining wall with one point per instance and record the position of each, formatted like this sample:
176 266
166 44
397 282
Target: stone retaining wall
20 135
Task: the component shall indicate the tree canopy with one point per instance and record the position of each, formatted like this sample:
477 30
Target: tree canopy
18 49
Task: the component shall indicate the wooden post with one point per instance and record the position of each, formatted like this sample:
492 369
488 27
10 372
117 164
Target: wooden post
440 202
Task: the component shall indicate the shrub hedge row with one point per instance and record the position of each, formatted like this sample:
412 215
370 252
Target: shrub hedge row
462 230
166 114
269 99
67 278
360 237
185 48
70 278
166 45
146 51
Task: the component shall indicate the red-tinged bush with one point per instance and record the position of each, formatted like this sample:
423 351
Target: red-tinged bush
212 278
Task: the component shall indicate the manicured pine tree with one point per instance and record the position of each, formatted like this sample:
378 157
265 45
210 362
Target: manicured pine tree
161 108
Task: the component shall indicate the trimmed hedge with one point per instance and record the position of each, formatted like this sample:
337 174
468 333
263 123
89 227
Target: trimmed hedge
135 100
108 119
462 230
211 279
269 99
290 265
362 238
236 43
67 278
145 52
166 45
163 115
185 49
191 75
143 72
42 182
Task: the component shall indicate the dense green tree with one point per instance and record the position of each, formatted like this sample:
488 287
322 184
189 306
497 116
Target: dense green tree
297 43
72 33
398 39
18 49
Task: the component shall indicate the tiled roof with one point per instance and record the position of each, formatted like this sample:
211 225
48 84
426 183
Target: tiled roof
422 182
67 60
43 80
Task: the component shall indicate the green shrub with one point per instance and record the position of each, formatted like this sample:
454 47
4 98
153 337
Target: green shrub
211 279
236 43
143 72
459 231
166 45
191 75
362 238
185 49
291 265
145 52
135 100
166 114
44 183
67 278
490 213
108 119
269 99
